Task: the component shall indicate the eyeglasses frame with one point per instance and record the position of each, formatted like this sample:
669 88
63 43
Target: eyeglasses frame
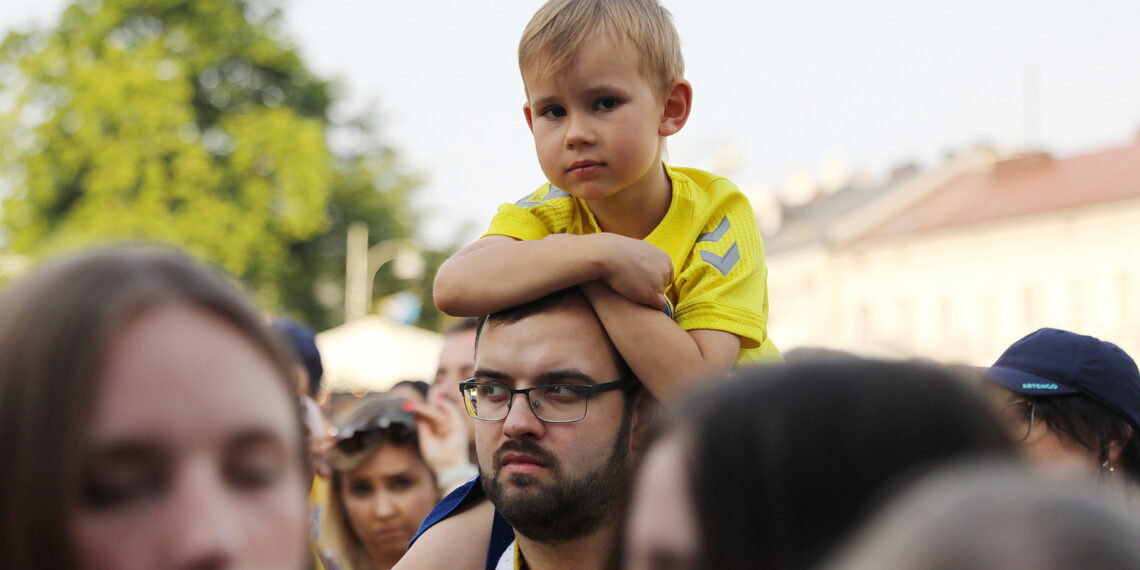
1032 416
589 389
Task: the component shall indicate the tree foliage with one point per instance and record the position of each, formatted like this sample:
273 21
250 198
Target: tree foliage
192 122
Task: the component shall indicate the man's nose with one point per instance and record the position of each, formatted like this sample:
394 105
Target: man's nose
521 420
204 528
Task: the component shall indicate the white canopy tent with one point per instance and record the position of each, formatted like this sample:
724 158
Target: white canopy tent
374 352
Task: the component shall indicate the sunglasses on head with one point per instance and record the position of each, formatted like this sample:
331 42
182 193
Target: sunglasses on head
396 427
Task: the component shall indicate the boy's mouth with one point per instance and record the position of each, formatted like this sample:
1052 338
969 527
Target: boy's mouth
584 167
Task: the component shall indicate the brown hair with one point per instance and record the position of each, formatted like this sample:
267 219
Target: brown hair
57 328
559 29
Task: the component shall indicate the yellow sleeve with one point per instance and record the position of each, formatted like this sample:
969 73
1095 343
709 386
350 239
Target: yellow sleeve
543 212
723 283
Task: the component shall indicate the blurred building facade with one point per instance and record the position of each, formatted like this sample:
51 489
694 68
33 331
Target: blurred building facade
958 262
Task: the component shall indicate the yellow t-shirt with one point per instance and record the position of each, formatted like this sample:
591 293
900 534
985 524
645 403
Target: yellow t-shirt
709 232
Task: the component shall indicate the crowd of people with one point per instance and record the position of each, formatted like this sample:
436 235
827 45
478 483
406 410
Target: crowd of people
151 416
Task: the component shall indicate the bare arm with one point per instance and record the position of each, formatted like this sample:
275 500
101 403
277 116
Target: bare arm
667 359
458 542
497 272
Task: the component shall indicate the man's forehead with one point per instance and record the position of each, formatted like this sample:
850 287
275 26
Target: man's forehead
552 340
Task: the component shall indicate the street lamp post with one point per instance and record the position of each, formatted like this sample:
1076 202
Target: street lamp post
363 262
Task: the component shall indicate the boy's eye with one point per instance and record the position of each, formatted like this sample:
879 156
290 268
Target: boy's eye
554 112
607 104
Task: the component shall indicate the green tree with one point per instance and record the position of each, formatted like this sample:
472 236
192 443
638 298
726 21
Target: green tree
192 122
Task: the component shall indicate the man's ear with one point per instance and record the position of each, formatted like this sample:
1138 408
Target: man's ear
678 103
529 118
645 410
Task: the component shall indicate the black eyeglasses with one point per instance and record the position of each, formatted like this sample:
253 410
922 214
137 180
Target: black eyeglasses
551 403
1018 418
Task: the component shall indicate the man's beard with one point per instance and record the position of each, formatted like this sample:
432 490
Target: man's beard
566 509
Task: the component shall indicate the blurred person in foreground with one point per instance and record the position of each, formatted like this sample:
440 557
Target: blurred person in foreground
147 420
1072 402
382 484
995 516
775 466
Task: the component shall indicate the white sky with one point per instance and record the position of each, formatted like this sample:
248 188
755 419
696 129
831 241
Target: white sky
779 87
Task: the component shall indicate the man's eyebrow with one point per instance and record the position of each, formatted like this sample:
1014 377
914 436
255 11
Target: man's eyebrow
564 375
486 373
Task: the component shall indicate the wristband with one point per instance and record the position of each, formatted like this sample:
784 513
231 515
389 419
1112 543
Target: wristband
452 477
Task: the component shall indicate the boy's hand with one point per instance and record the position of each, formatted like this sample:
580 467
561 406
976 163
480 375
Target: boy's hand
636 269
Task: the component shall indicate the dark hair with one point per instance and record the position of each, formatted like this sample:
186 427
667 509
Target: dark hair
1092 425
57 328
787 459
417 385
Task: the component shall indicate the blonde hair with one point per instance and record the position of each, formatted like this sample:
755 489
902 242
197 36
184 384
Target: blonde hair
559 29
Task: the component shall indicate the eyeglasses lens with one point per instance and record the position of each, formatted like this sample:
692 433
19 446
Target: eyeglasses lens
554 403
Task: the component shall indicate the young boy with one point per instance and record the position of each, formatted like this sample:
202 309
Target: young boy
670 258
604 85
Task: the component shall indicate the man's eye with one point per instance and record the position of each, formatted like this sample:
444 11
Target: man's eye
564 393
554 112
607 104
492 393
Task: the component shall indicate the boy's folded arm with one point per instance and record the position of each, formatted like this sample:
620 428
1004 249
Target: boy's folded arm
666 358
498 272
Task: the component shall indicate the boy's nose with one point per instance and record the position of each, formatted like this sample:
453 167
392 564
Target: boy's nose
578 132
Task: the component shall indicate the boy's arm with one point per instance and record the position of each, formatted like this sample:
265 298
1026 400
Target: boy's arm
498 272
668 359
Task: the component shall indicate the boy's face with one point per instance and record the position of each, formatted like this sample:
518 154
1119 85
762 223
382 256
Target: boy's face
598 126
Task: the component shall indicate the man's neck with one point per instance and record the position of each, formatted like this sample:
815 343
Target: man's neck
593 552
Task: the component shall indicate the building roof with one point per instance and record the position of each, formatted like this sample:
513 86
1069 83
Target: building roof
1022 185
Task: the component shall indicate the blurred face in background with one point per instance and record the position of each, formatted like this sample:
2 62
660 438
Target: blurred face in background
456 364
386 498
193 457
662 531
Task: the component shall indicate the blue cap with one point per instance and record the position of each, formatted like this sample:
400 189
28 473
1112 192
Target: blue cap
1051 362
303 343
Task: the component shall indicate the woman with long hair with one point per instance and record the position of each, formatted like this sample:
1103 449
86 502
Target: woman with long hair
147 420
381 486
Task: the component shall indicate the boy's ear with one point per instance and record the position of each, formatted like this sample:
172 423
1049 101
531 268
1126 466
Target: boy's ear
529 118
678 102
